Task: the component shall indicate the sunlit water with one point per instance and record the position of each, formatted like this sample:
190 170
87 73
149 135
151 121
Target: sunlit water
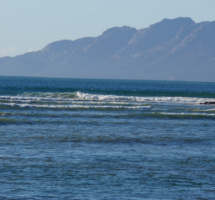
106 139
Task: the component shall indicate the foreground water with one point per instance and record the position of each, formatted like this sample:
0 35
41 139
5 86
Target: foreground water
106 139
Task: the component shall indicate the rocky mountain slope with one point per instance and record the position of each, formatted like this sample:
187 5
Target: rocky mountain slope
173 49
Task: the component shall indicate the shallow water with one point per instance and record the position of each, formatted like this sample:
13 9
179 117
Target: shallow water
106 139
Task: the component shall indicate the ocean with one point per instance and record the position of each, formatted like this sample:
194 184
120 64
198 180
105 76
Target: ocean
106 139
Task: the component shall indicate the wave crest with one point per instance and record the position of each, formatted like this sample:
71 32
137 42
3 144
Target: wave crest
81 96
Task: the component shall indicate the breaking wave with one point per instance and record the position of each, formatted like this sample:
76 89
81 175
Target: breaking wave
68 96
148 106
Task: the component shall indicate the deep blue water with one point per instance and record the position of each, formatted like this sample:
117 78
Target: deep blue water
106 139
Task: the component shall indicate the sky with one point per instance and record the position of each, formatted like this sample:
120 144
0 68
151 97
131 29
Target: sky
29 25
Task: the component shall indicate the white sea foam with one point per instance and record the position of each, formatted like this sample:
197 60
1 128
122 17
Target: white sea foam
187 114
210 110
74 106
190 100
70 97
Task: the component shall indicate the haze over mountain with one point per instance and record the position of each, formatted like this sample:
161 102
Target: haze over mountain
173 49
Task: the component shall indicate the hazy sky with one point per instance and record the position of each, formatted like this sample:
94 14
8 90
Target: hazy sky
29 25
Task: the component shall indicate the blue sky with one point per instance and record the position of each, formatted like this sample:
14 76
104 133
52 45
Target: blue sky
29 25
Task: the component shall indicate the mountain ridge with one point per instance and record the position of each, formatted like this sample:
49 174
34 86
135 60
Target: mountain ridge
172 49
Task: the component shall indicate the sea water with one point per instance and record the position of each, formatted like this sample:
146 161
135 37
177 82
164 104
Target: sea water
106 139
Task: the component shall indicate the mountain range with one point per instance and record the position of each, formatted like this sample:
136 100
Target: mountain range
172 49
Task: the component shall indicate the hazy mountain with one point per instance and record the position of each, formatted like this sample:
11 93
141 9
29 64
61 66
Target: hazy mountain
177 49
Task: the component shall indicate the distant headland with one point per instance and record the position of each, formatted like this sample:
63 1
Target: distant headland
172 49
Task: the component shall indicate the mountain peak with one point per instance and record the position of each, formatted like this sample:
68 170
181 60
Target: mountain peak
173 23
119 30
58 45
182 20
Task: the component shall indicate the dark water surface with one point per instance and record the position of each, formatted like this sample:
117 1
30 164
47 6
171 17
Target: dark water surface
106 139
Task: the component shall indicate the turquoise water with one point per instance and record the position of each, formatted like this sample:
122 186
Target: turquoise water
106 139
